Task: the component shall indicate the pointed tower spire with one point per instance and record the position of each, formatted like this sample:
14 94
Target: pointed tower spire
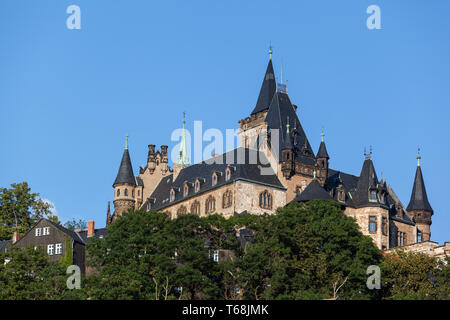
419 207
183 159
322 153
268 88
125 174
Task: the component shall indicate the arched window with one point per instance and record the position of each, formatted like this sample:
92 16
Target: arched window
265 200
227 200
172 195
195 208
182 210
210 204
197 186
373 195
118 192
227 174
214 179
185 190
126 192
132 193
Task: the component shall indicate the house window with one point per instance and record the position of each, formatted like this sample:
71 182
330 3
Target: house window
172 195
197 186
185 190
214 179
419 236
132 193
384 226
58 249
118 192
182 210
38 232
372 224
265 200
210 205
227 199
126 193
227 174
401 238
195 208
50 249
341 195
373 195
139 193
45 231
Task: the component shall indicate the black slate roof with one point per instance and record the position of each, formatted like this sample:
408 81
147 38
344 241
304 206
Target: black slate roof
98 233
313 191
125 174
280 112
419 199
367 180
70 233
267 91
241 169
322 153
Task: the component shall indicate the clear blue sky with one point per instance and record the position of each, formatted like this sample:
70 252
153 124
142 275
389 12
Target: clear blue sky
68 97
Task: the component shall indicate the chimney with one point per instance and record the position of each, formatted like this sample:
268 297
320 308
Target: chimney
15 237
91 231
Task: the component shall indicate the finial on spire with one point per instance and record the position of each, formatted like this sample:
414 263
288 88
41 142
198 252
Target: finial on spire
322 134
418 156
126 141
315 174
370 152
270 51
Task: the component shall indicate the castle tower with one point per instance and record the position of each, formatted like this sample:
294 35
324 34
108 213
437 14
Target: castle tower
124 185
419 206
322 159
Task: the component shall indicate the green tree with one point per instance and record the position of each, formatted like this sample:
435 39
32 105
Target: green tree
28 275
75 225
409 275
20 210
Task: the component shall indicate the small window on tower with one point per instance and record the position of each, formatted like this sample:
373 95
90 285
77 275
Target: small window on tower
126 193
372 224
118 192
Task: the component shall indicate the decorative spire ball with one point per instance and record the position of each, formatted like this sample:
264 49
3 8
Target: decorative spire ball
418 156
126 141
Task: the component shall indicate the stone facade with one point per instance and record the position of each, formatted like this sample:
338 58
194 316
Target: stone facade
430 248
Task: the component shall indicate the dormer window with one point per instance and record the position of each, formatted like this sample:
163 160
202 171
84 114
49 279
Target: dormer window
373 196
341 195
227 174
185 190
197 186
214 179
172 195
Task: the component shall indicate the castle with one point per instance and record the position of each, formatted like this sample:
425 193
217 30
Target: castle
273 166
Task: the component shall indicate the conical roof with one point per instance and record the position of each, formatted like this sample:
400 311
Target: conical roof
322 153
267 91
125 174
313 192
419 199
367 180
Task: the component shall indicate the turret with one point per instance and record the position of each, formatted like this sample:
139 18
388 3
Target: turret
419 207
322 159
124 185
287 154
